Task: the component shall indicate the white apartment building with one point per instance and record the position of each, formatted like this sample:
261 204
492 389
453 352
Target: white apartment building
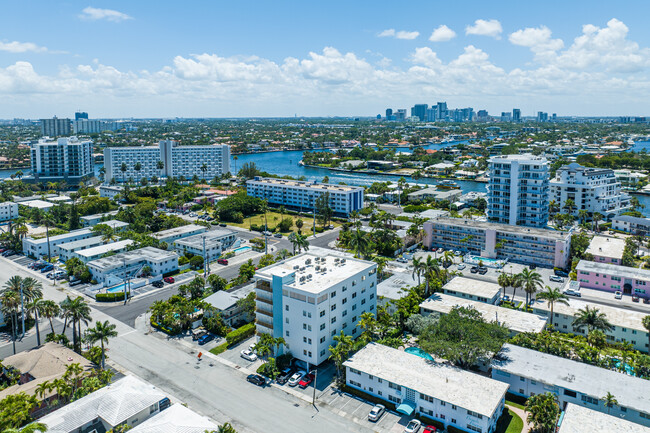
518 190
110 191
633 225
67 250
176 233
310 298
302 196
212 243
68 159
473 289
591 189
168 159
529 372
130 263
8 210
38 247
580 419
448 394
93 220
97 252
54 127
85 126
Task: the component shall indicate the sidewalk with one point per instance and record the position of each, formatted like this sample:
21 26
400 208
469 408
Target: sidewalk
523 415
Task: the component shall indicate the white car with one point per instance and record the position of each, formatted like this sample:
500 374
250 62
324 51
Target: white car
618 295
376 412
413 426
572 292
295 379
248 355
461 266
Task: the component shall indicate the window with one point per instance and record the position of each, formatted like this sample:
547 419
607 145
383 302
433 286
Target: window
370 377
454 407
453 421
345 313
591 400
442 403
354 318
333 295
532 382
354 295
623 409
370 389
363 301
345 325
322 313
304 326
570 393
286 333
322 326
354 331
286 320
344 301
394 399
286 308
474 414
333 320
442 416
393 386
354 307
322 339
344 288
352 382
333 307
476 429
426 398
644 415
322 353
304 339
333 332
355 371
523 379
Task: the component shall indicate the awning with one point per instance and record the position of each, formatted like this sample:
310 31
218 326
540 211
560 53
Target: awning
406 408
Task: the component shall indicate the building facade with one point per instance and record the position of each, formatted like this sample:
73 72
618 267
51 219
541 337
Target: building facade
66 250
527 245
518 190
208 245
473 289
130 263
310 298
594 190
168 159
85 126
68 159
302 196
55 127
457 398
176 233
612 278
39 247
606 249
633 225
8 211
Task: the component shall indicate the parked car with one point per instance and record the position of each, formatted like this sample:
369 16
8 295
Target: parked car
473 269
306 380
376 412
2 250
458 253
205 338
461 266
572 292
47 268
267 233
440 250
284 376
158 284
556 279
646 300
295 378
74 282
482 270
277 235
561 273
413 426
531 266
8 253
402 260
222 224
256 379
169 280
248 355
618 295
635 298
222 261
430 429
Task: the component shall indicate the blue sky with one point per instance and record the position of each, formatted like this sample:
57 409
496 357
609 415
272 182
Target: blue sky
219 59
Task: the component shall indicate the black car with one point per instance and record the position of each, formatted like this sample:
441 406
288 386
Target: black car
256 379
474 269
482 271
222 225
158 284
561 273
284 375
8 253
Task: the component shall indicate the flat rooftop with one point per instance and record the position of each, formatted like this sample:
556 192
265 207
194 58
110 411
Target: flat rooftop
579 419
99 215
514 320
103 249
520 230
223 300
617 316
146 253
596 382
305 184
395 286
606 246
176 419
616 270
196 241
39 204
441 381
114 224
178 231
474 287
336 270
63 237
71 246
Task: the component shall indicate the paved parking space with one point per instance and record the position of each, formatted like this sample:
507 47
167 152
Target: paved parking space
234 355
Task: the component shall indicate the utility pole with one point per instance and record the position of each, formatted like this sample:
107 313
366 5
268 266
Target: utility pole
205 259
313 397
124 279
22 308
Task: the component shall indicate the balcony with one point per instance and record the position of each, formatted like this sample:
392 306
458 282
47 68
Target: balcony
264 285
266 301
264 323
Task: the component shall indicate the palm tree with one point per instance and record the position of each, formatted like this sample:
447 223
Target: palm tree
160 166
102 332
368 325
298 241
123 169
50 309
530 281
505 280
610 401
34 307
10 302
204 168
339 353
448 258
32 289
76 311
553 296
235 158
381 264
227 427
543 411
592 318
48 222
35 427
417 269
360 243
430 271
596 217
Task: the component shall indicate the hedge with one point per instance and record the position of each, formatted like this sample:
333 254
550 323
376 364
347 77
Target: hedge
219 349
240 334
111 297
163 328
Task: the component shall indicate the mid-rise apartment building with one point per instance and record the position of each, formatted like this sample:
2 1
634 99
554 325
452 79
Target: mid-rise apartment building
633 225
8 211
55 127
168 159
302 196
39 247
518 190
527 245
85 126
130 263
414 385
591 190
612 278
68 159
606 249
310 298
208 245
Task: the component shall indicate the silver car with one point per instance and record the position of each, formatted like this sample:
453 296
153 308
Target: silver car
295 379
248 355
376 412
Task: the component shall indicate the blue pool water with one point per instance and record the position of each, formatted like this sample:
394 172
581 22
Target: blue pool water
483 259
115 289
418 352
241 249
628 368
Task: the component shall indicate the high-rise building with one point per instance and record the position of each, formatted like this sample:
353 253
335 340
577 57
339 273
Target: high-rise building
518 190
516 115
166 160
506 116
590 189
85 126
80 115
482 116
66 159
420 111
442 110
389 113
400 116
55 127
542 116
310 298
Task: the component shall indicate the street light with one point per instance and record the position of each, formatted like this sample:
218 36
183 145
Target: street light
313 398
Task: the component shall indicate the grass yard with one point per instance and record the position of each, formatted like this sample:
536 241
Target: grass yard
273 219
509 423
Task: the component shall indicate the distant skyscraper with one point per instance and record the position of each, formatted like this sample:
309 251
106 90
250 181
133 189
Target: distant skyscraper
420 111
389 112
80 115
401 115
516 115
55 127
442 110
482 115
554 117
542 116
506 116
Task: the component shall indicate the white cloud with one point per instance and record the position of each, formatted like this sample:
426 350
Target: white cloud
94 14
21 47
442 34
401 34
490 28
539 40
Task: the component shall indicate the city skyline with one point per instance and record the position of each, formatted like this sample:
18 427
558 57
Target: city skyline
119 59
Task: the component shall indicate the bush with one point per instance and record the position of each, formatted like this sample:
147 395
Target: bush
171 331
219 349
196 262
240 334
283 361
111 297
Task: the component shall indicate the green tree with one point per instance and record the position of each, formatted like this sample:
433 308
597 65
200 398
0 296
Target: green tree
298 241
505 280
15 410
323 209
217 282
543 411
247 305
610 401
646 325
340 352
48 222
418 269
10 304
102 332
35 427
591 318
553 296
360 243
50 310
76 311
530 282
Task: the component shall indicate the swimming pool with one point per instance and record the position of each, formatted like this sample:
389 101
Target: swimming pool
115 289
490 263
241 250
419 352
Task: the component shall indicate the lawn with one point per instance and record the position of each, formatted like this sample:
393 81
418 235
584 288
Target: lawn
509 423
274 218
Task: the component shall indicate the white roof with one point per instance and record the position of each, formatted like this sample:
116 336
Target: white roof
95 240
103 249
182 230
395 286
442 381
630 391
578 419
62 237
40 204
176 419
514 320
114 404
223 300
474 287
99 215
606 246
114 224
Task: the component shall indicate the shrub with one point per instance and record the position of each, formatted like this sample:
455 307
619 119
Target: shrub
111 297
219 349
240 334
171 331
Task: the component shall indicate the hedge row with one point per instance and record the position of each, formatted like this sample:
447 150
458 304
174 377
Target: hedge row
163 328
240 334
110 297
219 349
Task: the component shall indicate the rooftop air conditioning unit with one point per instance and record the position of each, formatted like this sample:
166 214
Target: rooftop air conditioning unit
308 262
324 269
317 268
309 276
342 260
296 266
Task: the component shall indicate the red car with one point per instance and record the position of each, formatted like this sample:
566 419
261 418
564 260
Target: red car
306 380
430 429
169 280
222 261
635 298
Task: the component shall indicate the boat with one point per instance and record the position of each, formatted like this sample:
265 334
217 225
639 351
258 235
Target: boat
448 184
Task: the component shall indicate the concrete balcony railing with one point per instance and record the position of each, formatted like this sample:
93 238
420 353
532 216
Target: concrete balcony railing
264 323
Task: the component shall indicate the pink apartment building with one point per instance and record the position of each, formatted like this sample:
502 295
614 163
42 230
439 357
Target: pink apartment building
612 278
606 249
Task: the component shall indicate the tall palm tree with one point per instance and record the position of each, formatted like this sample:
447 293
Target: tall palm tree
204 168
381 264
32 289
102 332
49 309
235 158
48 221
360 243
339 353
505 280
553 296
417 269
34 308
298 241
592 318
530 281
610 401
431 271
227 427
10 303
123 169
160 165
77 312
